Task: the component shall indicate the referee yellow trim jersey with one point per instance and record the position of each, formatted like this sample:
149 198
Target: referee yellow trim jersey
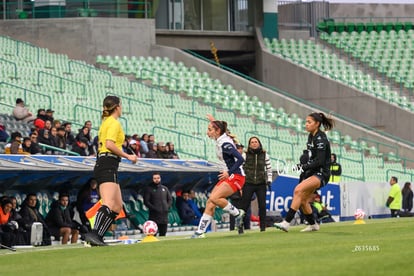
110 130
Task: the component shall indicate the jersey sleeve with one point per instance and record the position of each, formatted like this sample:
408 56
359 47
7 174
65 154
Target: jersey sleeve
232 151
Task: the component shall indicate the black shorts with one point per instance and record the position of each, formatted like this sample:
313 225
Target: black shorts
106 169
324 178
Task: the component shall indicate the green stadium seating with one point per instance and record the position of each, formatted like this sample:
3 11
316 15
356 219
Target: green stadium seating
350 27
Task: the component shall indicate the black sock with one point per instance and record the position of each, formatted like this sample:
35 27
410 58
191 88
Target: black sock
290 215
310 219
103 220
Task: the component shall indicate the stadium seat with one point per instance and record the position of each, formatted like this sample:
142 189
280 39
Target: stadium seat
350 27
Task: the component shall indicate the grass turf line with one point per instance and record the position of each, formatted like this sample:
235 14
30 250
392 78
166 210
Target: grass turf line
379 247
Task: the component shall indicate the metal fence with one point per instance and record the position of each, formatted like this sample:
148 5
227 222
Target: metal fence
302 15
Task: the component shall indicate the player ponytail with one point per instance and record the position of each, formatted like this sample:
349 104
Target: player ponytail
327 123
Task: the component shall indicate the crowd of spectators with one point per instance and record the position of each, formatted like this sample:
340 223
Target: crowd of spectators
49 135
65 222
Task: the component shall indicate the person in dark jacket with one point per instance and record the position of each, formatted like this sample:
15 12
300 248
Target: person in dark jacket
185 210
80 146
158 200
60 222
29 215
407 198
258 170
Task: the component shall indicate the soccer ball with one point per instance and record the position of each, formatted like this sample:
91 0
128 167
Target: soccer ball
150 228
359 214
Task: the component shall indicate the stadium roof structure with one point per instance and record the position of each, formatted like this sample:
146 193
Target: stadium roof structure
31 173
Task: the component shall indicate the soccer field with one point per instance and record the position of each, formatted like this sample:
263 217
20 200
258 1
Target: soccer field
379 247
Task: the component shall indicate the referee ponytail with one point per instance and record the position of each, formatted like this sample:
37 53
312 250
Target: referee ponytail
110 103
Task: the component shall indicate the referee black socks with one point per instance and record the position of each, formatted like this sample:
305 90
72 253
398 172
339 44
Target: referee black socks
104 219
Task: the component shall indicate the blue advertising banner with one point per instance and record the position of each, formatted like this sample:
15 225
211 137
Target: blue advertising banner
280 197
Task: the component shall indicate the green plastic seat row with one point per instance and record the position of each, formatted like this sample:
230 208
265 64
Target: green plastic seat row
330 26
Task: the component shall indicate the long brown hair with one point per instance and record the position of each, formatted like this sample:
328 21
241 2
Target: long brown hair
110 103
222 127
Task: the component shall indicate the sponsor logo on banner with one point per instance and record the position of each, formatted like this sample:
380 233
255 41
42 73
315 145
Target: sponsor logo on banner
280 198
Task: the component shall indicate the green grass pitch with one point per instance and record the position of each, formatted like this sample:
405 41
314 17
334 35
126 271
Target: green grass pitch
379 247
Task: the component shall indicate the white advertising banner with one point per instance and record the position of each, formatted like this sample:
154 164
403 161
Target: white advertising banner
368 196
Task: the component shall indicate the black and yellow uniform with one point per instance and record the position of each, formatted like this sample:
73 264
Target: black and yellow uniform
107 164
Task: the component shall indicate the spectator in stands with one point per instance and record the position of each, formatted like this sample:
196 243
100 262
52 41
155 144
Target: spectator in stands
34 147
144 145
56 123
162 151
135 137
70 139
20 112
15 144
407 198
54 140
315 170
258 170
172 154
87 197
185 209
151 138
49 115
95 142
85 132
230 178
394 197
158 200
81 146
44 138
133 148
61 139
30 214
4 136
152 150
60 222
125 144
336 170
48 125
39 122
27 143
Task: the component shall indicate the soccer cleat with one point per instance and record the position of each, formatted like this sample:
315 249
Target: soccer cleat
93 239
284 226
311 228
238 221
197 235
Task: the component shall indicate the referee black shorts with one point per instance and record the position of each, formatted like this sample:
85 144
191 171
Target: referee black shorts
106 169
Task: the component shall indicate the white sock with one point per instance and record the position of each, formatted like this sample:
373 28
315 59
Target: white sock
231 209
204 223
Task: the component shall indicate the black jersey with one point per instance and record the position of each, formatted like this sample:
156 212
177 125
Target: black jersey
319 150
